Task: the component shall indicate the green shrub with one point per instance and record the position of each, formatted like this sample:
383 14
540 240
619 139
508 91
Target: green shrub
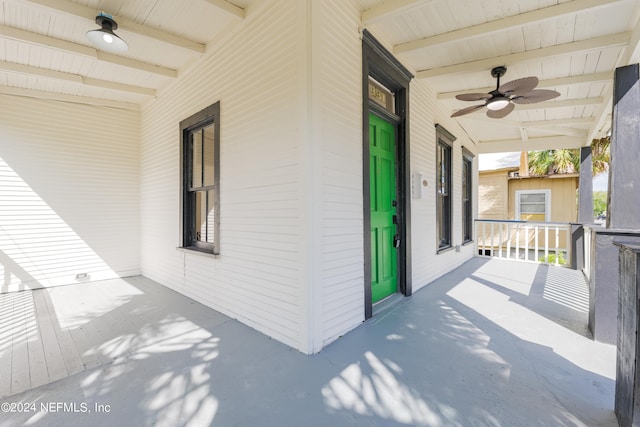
551 259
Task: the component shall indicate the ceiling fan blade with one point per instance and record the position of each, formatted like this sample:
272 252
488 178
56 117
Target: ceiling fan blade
498 114
473 96
536 96
467 110
519 87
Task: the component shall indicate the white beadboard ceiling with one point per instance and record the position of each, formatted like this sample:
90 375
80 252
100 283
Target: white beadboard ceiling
572 46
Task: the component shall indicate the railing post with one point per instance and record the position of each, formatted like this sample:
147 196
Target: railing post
475 232
526 243
546 243
535 244
509 241
569 261
557 248
492 245
484 238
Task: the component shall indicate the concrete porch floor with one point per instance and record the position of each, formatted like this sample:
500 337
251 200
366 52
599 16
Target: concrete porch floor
494 343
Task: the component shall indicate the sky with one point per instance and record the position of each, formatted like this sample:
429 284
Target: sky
503 160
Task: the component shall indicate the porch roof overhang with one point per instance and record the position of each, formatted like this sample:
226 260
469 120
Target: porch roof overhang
572 46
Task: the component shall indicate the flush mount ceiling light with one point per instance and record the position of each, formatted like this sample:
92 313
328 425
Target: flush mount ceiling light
104 38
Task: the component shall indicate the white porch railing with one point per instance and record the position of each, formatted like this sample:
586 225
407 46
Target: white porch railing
541 242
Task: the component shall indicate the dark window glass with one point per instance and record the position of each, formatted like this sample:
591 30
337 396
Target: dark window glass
444 195
467 200
201 164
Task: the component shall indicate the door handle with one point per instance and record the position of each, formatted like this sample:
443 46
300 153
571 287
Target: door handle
396 241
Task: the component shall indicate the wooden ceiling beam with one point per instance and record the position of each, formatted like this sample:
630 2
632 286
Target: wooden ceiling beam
12 67
597 100
576 102
79 49
389 8
557 122
595 43
124 24
557 130
135 64
39 94
227 7
501 24
530 123
532 144
543 84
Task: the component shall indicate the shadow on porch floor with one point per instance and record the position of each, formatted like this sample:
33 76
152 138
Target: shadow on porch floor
493 343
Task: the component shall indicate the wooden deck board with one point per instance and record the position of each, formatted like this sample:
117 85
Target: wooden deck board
38 372
20 353
47 323
48 334
79 337
6 332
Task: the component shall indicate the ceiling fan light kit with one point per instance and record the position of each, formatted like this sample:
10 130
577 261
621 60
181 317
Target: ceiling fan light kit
501 101
104 38
497 103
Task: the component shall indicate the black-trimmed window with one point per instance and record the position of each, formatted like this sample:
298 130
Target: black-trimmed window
443 190
200 148
467 196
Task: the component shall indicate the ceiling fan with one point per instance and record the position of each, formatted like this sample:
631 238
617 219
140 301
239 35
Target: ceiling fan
502 100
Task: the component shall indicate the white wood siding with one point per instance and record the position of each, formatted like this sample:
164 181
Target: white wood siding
69 193
427 264
258 75
337 129
291 263
337 53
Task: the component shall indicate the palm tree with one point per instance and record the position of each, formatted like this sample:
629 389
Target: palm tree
551 162
600 155
540 162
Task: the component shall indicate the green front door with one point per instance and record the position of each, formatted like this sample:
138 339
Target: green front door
382 169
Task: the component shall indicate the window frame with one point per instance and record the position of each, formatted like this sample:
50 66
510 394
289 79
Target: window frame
444 205
547 202
467 191
188 127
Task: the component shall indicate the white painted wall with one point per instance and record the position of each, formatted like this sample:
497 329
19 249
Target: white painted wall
337 136
337 168
258 73
291 263
427 264
69 193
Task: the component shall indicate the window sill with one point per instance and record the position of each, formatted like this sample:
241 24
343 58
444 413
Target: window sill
197 251
468 242
445 249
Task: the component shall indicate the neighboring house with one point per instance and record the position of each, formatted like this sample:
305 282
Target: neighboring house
503 194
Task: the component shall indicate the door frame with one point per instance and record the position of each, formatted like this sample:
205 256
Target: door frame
379 63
